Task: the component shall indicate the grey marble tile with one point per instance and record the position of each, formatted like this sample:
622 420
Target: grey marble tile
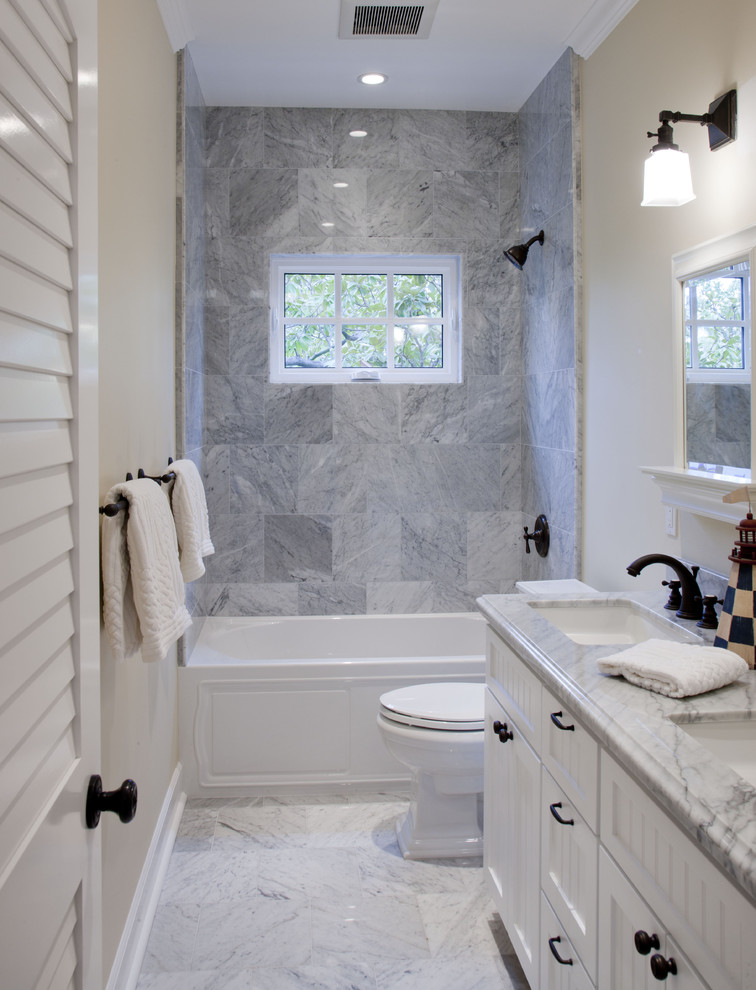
194 393
434 547
489 275
466 972
185 981
215 478
331 598
210 875
341 973
263 201
511 334
492 141
547 181
256 826
494 546
255 931
322 873
459 924
548 482
356 826
216 341
436 413
549 410
510 460
216 204
481 332
378 928
366 413
248 599
509 206
298 137
343 207
237 271
547 109
366 547
466 204
172 938
405 479
470 475
332 479
248 336
399 597
379 148
233 409
234 137
384 872
495 402
549 344
400 202
264 478
461 597
238 557
298 548
432 139
299 414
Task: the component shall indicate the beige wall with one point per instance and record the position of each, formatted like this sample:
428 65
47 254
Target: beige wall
675 55
137 243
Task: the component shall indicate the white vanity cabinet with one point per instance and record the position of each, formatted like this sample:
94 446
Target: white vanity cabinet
610 865
513 781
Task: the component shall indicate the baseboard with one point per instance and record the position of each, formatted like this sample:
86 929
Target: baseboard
128 961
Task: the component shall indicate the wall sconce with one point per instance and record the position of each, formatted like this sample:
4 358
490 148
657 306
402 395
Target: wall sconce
519 253
666 177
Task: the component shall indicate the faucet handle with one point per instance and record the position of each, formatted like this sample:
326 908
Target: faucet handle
675 598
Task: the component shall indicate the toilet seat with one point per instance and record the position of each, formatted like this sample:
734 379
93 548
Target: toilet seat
451 706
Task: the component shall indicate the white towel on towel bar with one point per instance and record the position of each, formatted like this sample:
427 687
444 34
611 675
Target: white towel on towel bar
190 514
143 594
675 669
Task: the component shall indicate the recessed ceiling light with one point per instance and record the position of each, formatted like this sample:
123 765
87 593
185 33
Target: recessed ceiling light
327 223
340 185
372 78
358 133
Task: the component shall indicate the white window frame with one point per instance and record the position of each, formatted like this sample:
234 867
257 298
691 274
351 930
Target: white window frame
688 489
721 376
449 266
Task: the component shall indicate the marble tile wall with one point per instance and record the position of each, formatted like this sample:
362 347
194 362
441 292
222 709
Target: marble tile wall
551 360
399 498
350 499
190 277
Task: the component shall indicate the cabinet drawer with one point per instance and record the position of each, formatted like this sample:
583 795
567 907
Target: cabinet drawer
705 914
571 755
561 968
624 915
516 688
569 869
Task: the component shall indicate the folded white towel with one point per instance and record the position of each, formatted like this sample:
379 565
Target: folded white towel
190 514
143 594
675 669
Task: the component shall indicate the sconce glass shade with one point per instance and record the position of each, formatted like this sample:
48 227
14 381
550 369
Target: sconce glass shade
666 178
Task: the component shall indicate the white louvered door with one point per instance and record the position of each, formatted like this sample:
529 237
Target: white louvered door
49 681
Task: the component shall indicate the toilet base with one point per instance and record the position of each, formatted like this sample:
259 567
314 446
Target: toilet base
461 836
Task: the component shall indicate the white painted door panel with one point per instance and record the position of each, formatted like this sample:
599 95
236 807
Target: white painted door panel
49 681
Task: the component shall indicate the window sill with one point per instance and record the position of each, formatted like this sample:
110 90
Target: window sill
699 492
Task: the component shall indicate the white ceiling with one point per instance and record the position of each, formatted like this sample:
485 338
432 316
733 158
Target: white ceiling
481 54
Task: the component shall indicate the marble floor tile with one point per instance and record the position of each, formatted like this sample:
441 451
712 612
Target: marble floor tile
256 931
310 892
375 928
469 972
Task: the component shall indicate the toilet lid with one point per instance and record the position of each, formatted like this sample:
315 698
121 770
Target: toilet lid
452 706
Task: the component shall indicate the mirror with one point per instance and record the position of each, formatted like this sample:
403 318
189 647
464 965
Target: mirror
717 340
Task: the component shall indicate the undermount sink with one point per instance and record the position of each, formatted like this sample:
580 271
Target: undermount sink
733 741
610 622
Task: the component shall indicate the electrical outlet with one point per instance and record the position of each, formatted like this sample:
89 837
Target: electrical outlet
670 520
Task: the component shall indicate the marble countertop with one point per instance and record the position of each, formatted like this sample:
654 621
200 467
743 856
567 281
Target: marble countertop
713 804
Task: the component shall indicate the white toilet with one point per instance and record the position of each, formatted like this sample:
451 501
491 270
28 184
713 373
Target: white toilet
437 731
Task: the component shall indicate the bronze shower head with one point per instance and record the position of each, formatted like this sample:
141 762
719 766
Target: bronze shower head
519 253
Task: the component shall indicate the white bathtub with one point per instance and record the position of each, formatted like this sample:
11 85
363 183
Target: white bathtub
272 704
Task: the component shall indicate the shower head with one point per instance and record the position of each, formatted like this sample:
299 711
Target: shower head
519 253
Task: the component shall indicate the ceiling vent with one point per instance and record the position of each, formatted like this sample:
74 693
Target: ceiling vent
386 20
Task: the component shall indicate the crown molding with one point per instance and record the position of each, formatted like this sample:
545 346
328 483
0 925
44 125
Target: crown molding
597 24
177 23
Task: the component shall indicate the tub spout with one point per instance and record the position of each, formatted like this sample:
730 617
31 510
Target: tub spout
691 606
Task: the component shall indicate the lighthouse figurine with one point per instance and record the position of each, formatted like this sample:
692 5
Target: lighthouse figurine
736 621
